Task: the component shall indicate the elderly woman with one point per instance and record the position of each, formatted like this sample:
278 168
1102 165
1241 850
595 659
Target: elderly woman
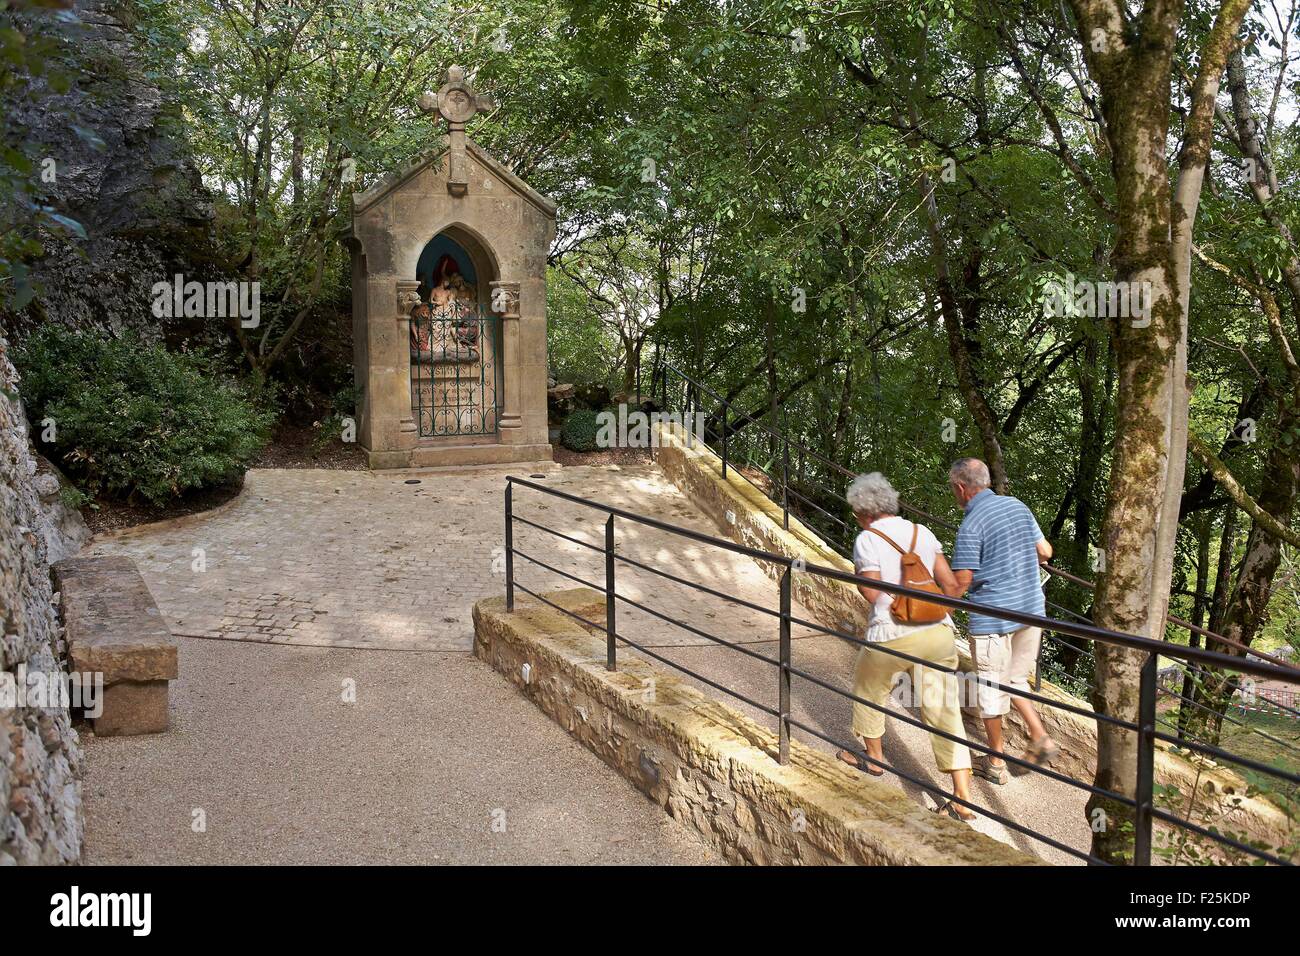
877 556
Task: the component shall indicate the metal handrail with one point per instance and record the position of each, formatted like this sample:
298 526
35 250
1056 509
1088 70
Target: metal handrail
1089 631
1145 811
788 443
787 493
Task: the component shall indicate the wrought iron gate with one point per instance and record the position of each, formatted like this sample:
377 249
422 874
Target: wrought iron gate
456 384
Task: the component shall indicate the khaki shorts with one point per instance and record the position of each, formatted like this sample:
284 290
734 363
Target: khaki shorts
1006 659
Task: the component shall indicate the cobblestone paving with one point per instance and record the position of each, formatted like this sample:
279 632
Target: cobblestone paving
355 559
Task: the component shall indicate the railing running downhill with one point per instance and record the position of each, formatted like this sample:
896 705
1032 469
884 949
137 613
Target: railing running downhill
678 391
1142 803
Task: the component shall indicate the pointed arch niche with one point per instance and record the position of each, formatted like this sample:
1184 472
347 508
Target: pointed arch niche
457 382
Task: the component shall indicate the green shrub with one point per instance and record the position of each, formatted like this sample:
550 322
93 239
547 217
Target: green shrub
131 418
343 408
579 431
73 497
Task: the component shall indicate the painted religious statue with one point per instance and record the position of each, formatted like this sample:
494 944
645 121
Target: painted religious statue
445 328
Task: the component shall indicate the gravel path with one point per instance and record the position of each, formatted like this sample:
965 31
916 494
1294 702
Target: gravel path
434 751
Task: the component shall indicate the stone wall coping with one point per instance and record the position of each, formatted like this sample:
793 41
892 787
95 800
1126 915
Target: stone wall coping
672 434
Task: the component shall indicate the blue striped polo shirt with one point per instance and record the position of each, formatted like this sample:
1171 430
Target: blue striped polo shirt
996 541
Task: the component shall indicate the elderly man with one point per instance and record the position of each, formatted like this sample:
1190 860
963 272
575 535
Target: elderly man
996 557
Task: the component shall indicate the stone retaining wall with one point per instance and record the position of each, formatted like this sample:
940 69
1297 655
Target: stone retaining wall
747 516
40 755
708 766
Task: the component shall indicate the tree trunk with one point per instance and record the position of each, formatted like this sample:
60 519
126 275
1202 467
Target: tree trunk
774 422
1247 608
1131 60
1199 608
631 362
1223 570
296 172
986 423
842 414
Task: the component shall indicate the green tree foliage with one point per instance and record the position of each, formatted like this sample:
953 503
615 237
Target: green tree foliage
293 105
581 349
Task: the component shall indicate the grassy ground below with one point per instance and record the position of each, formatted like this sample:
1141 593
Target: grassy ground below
1285 756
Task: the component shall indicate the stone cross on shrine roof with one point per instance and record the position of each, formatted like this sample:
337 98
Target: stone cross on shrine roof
457 102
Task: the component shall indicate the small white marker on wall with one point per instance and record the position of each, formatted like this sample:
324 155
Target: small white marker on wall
527 672
731 517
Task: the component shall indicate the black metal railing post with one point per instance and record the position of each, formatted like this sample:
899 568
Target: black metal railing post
783 732
785 472
1146 762
726 414
510 548
611 664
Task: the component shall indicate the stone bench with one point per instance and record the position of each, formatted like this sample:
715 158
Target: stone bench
114 628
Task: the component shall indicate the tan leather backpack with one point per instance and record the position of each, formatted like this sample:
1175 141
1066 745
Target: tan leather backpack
907 609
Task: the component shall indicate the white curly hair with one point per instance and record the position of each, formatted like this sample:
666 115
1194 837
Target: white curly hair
872 495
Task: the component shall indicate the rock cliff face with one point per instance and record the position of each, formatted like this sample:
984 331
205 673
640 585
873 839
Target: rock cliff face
122 169
40 755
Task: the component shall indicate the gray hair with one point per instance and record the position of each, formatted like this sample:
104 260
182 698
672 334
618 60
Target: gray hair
872 495
970 472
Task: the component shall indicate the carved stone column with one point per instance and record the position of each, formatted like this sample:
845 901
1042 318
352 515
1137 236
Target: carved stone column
505 303
408 296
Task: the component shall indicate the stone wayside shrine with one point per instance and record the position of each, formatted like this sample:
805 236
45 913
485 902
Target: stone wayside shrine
449 304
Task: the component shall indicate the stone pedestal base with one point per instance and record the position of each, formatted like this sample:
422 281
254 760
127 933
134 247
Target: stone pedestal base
440 454
133 707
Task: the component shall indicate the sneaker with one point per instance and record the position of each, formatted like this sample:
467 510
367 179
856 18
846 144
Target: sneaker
1043 752
987 771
